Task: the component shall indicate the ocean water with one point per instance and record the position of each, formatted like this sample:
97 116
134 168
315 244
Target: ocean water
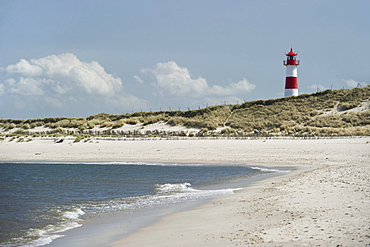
39 201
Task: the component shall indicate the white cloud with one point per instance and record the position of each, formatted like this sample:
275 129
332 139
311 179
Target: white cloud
177 81
25 86
352 83
25 68
138 79
64 85
127 100
61 74
172 79
243 86
2 89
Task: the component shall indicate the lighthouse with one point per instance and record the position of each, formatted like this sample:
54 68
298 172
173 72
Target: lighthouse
291 79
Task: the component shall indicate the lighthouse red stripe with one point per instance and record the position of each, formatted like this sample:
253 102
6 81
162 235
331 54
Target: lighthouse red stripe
291 83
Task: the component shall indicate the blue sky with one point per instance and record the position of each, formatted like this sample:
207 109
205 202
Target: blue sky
78 58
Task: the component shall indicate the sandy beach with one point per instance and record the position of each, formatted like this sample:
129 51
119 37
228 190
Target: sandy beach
323 201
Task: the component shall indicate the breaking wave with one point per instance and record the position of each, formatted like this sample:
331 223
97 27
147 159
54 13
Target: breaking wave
68 219
270 170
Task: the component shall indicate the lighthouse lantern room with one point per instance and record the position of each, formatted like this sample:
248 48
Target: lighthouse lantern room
291 79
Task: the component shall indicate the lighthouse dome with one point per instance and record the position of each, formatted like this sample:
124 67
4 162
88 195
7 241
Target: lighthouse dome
291 53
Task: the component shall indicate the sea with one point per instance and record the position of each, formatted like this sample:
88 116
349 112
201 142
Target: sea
41 202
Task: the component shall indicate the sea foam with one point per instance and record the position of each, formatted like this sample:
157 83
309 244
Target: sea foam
270 170
69 219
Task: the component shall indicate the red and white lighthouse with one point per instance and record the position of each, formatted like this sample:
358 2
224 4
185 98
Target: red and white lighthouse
291 80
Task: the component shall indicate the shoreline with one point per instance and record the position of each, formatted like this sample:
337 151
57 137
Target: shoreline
324 202
206 224
106 230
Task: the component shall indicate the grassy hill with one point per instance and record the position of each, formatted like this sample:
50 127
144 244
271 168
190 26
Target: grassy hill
327 113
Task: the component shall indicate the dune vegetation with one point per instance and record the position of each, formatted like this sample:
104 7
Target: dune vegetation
342 112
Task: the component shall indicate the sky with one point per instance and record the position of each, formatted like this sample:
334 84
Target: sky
76 58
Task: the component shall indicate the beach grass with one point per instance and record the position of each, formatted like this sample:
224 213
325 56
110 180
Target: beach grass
342 112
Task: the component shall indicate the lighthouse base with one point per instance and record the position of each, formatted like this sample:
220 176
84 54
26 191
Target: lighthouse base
291 92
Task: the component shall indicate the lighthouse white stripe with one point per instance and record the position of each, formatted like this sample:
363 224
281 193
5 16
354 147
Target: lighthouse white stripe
291 71
291 92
